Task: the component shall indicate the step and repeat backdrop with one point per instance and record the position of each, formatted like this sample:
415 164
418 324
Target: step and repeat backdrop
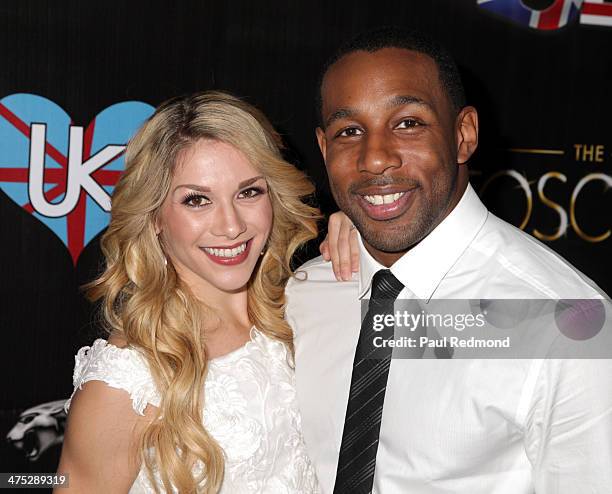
79 77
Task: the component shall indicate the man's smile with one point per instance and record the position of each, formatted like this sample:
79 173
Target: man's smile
385 203
377 200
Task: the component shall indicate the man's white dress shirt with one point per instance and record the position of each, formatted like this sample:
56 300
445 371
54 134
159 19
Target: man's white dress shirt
458 426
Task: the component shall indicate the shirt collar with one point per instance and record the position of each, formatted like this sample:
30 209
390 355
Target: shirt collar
424 266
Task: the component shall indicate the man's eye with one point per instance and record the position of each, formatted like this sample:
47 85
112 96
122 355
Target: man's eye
251 192
350 132
408 124
196 201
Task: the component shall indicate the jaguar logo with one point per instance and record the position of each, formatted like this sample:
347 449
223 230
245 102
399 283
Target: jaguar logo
38 429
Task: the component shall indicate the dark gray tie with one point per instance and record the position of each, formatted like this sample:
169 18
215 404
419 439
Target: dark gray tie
357 461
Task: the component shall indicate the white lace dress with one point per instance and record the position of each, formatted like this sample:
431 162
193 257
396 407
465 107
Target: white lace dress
250 409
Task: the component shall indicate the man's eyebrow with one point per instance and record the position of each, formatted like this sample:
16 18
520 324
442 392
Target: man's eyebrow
395 101
338 114
408 100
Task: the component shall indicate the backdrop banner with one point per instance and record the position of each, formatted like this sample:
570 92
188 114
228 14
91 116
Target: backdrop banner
79 77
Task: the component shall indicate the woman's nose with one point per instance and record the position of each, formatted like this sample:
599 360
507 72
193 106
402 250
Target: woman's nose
229 222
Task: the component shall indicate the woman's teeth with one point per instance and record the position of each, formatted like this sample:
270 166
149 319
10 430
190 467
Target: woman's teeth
377 200
226 252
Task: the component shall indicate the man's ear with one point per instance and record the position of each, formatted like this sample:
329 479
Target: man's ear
322 142
467 133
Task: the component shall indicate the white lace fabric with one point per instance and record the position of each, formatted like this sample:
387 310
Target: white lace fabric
250 409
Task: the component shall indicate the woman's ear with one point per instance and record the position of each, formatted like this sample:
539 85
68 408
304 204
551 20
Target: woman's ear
467 133
157 225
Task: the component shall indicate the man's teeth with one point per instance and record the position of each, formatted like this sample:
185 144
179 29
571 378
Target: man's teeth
377 200
226 252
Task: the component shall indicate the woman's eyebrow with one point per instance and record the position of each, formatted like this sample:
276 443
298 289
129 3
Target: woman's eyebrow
249 181
200 188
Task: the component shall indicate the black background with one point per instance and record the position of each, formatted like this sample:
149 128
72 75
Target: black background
533 89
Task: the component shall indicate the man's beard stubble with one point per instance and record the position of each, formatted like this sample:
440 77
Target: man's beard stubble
401 237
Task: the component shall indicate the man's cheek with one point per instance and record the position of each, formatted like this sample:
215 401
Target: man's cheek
337 176
340 155
338 190
344 200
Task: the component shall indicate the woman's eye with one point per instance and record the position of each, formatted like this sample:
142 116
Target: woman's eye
350 132
408 124
251 192
196 201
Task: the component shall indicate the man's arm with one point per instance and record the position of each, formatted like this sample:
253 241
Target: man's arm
569 427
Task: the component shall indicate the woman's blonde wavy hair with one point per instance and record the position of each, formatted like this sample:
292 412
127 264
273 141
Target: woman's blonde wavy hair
146 303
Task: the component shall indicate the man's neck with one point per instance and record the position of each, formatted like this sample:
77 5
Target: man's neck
387 259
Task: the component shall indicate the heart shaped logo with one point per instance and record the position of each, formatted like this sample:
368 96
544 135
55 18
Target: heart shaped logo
61 173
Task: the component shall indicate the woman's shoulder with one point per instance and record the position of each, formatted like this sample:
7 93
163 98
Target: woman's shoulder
108 415
118 366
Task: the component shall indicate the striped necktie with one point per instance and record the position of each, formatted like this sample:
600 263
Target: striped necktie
357 461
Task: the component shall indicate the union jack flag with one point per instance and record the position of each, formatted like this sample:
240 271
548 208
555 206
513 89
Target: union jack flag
553 17
598 12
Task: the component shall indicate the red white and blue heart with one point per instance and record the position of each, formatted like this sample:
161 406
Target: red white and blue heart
59 172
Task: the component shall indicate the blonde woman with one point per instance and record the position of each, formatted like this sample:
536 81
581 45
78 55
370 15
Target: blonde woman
194 390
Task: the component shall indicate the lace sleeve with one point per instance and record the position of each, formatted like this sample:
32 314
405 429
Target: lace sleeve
122 368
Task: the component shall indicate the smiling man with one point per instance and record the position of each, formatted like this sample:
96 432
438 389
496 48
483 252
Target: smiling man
396 135
392 141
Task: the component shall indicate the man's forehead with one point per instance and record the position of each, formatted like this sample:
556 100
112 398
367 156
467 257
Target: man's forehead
385 60
396 75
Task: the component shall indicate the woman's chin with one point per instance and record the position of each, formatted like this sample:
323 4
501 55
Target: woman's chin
233 288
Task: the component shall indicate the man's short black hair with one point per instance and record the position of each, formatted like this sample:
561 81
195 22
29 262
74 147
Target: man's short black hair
396 37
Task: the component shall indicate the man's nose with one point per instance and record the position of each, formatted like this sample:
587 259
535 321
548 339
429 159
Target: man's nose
229 222
379 153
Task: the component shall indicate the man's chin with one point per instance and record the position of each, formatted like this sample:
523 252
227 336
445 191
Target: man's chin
387 241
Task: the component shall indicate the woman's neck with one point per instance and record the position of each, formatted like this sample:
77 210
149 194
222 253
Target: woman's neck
226 317
229 327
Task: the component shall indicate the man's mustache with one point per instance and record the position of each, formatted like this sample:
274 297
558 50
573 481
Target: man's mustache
383 181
